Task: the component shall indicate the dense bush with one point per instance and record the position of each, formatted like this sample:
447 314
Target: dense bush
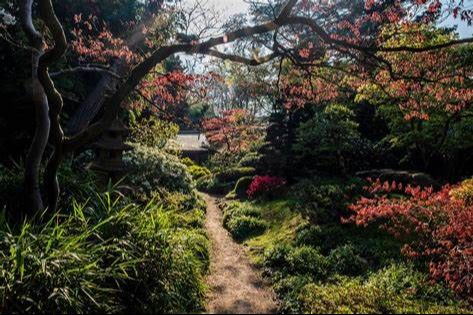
308 282
374 246
243 221
289 290
153 132
241 187
325 237
234 174
435 228
151 168
197 171
304 260
236 209
251 159
105 256
326 139
224 181
395 290
265 186
276 257
345 261
320 201
308 260
212 185
242 227
222 160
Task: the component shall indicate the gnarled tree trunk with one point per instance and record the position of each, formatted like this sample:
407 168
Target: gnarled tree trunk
56 139
42 122
39 142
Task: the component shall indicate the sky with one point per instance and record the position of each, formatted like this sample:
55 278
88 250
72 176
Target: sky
227 7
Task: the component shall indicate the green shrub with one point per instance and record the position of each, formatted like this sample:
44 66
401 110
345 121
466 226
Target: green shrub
198 172
251 159
380 250
223 160
241 187
373 245
180 201
234 174
345 261
242 220
106 256
188 162
325 237
319 203
152 169
288 289
304 260
243 227
308 260
204 183
276 257
153 132
353 296
326 138
234 210
346 297
404 278
212 185
223 182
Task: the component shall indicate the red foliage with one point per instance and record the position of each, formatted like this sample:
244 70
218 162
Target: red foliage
234 131
170 94
263 185
94 42
434 226
418 82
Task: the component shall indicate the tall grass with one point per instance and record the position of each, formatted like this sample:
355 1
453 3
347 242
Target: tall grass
106 255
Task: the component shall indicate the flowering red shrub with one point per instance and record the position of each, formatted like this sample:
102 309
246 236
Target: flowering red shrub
435 227
263 185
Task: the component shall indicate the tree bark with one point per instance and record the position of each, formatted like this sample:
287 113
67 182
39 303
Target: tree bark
94 101
56 139
42 122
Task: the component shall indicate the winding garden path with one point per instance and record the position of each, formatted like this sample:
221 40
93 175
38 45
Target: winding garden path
236 286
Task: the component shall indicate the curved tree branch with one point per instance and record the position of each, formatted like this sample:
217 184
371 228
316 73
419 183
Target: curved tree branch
112 104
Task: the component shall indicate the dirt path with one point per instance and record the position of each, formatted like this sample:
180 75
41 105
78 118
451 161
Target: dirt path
236 287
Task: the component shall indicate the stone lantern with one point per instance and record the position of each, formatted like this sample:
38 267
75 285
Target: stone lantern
109 152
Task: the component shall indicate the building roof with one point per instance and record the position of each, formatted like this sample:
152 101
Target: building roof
192 141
